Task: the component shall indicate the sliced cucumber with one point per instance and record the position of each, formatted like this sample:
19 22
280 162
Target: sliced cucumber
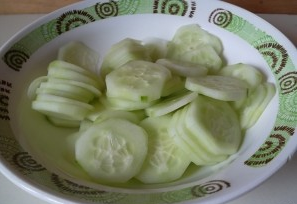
219 87
214 124
199 154
186 69
255 104
172 85
77 92
124 104
79 54
171 104
31 91
137 81
68 111
192 36
62 73
96 92
112 151
252 76
122 52
165 161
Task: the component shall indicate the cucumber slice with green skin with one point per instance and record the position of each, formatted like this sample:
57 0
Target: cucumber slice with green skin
96 92
197 153
165 161
79 54
170 104
31 91
252 76
214 124
62 73
112 151
173 85
185 69
124 104
191 37
68 111
122 52
64 122
223 88
255 104
137 81
77 92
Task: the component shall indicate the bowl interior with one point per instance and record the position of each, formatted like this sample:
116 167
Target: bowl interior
43 156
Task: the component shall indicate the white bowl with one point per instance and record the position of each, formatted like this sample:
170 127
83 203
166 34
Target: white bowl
27 158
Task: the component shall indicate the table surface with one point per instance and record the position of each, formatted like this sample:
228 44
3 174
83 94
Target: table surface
278 189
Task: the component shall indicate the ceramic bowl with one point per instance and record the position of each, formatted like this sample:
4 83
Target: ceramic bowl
26 154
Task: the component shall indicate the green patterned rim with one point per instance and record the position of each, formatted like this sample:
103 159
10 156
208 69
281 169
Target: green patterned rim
228 18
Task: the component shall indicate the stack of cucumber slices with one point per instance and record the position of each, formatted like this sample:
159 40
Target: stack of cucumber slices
156 107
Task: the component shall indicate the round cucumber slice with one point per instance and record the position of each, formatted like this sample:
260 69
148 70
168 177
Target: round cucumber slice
79 54
170 104
224 88
165 161
122 52
137 81
172 85
64 122
214 124
186 69
112 151
252 76
106 114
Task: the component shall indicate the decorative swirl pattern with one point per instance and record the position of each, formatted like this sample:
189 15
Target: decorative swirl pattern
73 19
49 31
174 7
288 82
128 7
84 192
15 59
209 188
275 55
25 161
107 9
272 146
288 107
221 17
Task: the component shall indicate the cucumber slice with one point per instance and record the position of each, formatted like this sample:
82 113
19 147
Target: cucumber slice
192 36
199 154
63 110
219 87
64 73
165 161
255 104
112 151
170 104
79 54
214 124
205 56
172 85
96 92
85 125
124 104
77 92
137 81
186 69
252 76
31 91
122 52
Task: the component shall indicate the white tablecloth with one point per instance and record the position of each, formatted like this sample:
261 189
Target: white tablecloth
281 188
